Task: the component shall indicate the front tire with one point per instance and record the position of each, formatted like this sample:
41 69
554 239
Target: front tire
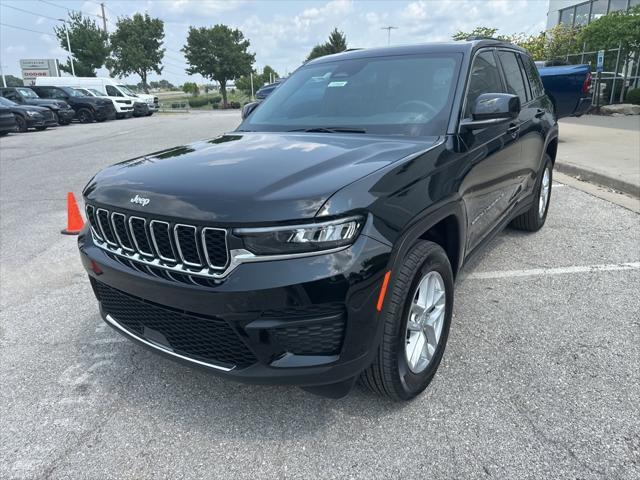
22 124
534 218
40 129
416 318
85 115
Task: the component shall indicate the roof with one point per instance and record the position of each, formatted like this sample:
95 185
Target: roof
465 46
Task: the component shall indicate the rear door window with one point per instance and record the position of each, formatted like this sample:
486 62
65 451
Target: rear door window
513 75
484 78
537 89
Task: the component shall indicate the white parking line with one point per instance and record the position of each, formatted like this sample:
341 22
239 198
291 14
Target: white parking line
535 272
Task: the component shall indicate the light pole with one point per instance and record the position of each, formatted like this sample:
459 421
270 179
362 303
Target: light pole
66 31
388 29
4 80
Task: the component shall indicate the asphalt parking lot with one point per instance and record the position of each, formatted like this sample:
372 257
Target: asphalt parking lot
540 378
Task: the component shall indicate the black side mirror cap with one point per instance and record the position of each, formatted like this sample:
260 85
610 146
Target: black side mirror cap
248 108
492 109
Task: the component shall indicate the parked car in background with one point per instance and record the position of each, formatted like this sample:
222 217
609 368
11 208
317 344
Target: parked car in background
25 96
123 106
318 243
105 85
569 88
30 116
266 90
88 109
7 121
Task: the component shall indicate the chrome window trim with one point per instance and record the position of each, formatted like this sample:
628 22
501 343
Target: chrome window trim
133 236
115 230
195 239
155 244
104 236
206 252
112 321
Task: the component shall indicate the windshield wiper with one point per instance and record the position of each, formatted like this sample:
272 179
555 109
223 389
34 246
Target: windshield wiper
330 130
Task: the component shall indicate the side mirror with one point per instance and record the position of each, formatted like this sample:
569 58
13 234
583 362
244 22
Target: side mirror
248 108
492 109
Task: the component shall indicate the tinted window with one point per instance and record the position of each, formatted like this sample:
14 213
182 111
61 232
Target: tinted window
113 91
582 14
11 95
50 92
513 75
485 78
566 16
537 89
392 95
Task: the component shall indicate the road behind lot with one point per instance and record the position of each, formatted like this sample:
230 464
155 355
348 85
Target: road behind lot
540 378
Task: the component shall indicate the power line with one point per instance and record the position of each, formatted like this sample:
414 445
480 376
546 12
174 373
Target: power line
27 29
70 9
30 13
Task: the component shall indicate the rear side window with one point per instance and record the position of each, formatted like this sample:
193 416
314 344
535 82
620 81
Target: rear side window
537 89
513 75
485 78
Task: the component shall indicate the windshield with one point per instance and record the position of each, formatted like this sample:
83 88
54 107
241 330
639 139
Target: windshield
72 92
128 92
27 93
97 93
394 95
5 102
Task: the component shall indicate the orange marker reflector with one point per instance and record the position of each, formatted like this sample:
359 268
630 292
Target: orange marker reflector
383 290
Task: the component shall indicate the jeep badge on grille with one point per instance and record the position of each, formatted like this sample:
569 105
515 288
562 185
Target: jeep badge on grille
140 200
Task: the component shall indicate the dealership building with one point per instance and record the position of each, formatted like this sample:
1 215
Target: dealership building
576 12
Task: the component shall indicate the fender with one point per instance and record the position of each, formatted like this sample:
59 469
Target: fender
424 221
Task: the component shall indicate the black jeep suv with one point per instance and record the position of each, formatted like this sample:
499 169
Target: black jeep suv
319 242
62 112
87 109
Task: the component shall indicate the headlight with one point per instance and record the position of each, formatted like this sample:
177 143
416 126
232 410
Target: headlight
313 237
33 113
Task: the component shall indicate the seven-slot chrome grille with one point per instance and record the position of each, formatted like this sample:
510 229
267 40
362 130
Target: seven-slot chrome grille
177 247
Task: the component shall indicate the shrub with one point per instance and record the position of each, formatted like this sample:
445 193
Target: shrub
215 99
234 104
633 96
197 102
215 106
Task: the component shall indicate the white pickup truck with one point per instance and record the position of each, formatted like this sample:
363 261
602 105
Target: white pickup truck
107 86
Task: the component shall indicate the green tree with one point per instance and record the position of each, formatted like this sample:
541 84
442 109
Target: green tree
190 87
617 29
218 53
259 79
13 81
562 40
137 47
337 43
486 32
89 44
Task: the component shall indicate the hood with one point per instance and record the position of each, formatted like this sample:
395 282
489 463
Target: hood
43 102
248 177
32 108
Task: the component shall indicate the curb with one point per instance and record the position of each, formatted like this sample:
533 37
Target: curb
599 178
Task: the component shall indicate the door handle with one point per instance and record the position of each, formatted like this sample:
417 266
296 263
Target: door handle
513 129
539 113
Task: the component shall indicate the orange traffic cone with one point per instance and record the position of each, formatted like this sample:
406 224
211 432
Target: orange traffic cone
74 219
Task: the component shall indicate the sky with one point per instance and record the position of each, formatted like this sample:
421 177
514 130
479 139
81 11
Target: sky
281 32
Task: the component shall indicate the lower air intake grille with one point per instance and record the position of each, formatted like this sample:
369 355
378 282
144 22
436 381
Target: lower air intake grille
190 335
314 339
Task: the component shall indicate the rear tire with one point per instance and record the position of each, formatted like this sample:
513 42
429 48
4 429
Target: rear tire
22 124
534 218
393 373
85 115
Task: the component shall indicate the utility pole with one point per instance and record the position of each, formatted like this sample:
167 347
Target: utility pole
104 18
388 29
66 31
4 81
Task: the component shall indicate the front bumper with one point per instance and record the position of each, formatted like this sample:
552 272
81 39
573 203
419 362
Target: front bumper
66 115
107 112
306 321
40 121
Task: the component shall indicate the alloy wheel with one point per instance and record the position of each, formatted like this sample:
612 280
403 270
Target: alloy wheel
545 190
426 318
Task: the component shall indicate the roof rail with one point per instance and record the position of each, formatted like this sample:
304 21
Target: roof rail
480 37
